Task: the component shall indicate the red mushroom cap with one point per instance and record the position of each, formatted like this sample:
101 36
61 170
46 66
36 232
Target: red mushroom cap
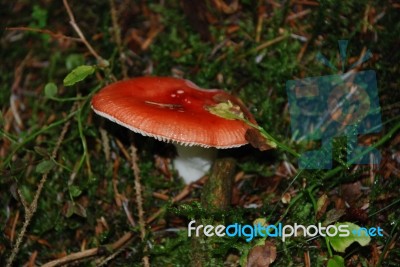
171 109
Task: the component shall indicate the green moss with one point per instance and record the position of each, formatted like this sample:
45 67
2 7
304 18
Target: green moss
232 61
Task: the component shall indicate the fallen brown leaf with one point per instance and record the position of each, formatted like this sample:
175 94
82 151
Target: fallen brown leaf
262 256
351 192
322 204
256 139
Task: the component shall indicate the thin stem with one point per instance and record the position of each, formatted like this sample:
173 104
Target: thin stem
44 31
30 210
271 138
74 25
139 202
117 38
78 256
366 151
34 135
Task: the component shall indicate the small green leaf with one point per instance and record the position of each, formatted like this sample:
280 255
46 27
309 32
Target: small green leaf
44 166
50 90
336 261
355 234
70 208
227 111
74 191
78 74
73 61
39 17
26 193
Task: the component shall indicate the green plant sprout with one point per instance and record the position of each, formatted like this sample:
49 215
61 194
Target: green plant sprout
229 111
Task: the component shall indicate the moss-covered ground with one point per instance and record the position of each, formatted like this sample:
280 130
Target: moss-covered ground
51 137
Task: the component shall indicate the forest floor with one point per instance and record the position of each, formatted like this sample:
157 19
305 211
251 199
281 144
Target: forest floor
68 194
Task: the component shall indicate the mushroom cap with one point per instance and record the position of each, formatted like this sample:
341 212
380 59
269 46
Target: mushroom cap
171 110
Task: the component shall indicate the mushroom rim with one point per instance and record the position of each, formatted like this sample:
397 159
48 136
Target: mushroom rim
160 137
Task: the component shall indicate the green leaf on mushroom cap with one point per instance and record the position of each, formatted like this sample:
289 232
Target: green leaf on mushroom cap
227 111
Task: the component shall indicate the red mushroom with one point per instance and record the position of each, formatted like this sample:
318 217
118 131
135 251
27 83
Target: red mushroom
174 110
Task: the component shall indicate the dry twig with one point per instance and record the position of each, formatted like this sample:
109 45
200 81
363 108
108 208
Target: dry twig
74 25
117 38
103 261
14 226
31 209
185 191
105 143
90 252
139 201
44 31
15 90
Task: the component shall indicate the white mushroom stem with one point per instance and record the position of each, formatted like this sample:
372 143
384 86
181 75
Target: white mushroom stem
193 162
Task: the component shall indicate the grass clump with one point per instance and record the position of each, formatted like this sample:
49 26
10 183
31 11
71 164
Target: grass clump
82 164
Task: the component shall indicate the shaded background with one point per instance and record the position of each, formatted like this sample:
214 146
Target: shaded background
249 48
